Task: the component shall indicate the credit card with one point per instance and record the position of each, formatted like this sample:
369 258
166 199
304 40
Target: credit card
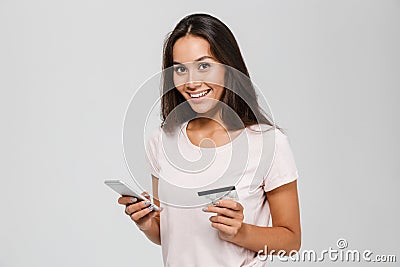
228 192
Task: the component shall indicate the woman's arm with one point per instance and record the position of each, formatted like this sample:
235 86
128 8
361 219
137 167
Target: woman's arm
285 233
148 221
153 233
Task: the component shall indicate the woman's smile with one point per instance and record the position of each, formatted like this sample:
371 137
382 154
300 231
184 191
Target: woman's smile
199 95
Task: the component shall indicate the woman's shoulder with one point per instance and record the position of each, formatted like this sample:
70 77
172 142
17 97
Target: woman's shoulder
153 135
265 132
260 127
263 128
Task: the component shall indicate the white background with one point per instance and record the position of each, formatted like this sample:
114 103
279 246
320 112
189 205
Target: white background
330 71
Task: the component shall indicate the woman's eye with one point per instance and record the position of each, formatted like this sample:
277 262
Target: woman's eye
204 65
179 69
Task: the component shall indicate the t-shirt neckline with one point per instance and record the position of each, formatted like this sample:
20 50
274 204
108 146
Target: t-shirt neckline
217 148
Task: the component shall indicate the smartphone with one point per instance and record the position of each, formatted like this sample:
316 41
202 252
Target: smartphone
124 190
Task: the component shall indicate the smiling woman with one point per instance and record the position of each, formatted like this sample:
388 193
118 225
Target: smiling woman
204 79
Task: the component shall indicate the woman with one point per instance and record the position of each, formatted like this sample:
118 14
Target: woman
228 232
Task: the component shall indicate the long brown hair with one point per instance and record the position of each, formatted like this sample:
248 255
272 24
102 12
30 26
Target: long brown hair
241 96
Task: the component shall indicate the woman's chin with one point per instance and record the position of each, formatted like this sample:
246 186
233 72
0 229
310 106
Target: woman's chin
204 108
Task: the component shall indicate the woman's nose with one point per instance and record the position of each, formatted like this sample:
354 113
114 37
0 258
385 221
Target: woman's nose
193 84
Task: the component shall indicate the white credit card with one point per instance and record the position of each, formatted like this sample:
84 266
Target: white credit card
228 192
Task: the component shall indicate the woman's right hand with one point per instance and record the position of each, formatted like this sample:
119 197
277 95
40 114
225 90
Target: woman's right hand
139 211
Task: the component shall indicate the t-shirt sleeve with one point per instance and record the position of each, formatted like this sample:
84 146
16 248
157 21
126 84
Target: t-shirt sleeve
152 146
283 169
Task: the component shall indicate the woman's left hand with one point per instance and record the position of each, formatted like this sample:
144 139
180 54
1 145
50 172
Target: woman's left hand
229 218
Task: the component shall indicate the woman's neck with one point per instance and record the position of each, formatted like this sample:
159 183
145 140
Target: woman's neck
209 131
210 121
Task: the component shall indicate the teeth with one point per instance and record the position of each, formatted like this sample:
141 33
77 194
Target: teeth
199 94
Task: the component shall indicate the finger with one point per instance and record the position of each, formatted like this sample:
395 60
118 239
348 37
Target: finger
126 200
228 203
225 211
229 230
141 213
225 220
126 211
132 208
136 207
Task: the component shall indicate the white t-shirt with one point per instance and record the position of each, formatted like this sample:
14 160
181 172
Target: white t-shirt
187 237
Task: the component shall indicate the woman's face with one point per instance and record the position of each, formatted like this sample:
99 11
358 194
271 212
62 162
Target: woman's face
197 74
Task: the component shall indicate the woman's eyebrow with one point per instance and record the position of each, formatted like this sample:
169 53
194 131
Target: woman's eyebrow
199 59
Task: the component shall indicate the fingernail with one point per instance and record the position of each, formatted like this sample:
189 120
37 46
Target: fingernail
151 207
204 209
215 203
133 200
146 195
147 202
